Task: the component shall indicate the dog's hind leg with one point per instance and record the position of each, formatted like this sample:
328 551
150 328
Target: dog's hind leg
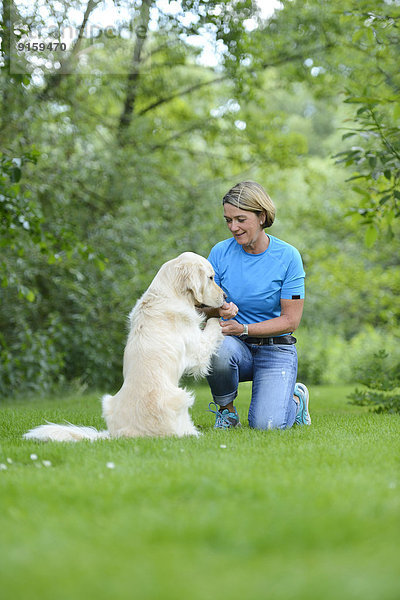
181 422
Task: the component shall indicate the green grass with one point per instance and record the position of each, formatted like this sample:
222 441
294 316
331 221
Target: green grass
312 512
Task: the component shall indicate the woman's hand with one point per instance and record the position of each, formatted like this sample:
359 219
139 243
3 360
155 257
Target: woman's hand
228 310
231 327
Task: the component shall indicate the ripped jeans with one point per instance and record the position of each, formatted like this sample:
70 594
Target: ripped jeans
273 371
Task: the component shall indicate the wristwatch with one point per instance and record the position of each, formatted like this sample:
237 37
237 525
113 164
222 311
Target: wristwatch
245 330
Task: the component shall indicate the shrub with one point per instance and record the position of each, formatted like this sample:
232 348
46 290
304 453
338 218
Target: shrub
31 362
327 357
380 378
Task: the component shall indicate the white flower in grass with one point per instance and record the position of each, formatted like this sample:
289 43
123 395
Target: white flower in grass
110 465
34 457
3 467
9 460
46 463
222 446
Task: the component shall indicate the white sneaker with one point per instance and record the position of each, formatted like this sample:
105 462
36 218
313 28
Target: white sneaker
303 415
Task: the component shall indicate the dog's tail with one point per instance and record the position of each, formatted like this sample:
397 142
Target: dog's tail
64 433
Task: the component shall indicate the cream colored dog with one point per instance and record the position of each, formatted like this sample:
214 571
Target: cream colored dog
166 340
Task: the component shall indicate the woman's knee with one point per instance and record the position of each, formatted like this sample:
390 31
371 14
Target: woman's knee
267 422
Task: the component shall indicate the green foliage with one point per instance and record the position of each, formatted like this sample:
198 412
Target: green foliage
93 203
375 134
21 219
326 356
349 49
380 378
31 361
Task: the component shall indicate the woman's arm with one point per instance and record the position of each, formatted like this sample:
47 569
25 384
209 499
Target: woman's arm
291 313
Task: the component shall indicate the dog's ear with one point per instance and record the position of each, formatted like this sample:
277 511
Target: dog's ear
196 285
190 279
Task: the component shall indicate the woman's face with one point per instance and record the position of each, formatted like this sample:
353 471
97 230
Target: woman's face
245 226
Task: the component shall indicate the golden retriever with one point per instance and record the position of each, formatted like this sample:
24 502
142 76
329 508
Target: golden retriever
167 339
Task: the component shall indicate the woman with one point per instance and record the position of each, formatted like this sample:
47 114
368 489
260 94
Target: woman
263 279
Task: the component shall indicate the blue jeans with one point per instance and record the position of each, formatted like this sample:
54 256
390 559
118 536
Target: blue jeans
273 371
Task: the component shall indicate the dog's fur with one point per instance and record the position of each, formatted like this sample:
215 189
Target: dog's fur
166 340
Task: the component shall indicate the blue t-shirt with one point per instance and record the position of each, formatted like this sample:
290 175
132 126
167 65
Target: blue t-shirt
257 283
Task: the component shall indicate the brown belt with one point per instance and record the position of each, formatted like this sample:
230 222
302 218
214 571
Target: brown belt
284 340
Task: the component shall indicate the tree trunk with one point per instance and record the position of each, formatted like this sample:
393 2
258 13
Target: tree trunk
54 80
134 73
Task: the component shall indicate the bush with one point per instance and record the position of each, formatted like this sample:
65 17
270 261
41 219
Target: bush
327 357
380 378
31 362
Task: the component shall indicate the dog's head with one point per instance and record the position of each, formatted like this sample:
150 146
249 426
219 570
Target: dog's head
194 276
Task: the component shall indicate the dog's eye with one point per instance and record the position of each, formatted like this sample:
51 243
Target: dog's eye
211 277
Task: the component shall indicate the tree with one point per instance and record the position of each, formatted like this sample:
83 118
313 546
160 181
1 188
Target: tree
350 49
95 190
120 164
376 157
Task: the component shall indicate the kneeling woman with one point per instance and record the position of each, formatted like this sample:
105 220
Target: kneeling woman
263 278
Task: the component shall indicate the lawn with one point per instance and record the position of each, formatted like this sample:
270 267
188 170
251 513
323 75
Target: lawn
313 512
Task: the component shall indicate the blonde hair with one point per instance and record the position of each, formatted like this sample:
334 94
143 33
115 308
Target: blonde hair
249 195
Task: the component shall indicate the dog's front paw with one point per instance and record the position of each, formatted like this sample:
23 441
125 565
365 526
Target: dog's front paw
213 325
214 331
